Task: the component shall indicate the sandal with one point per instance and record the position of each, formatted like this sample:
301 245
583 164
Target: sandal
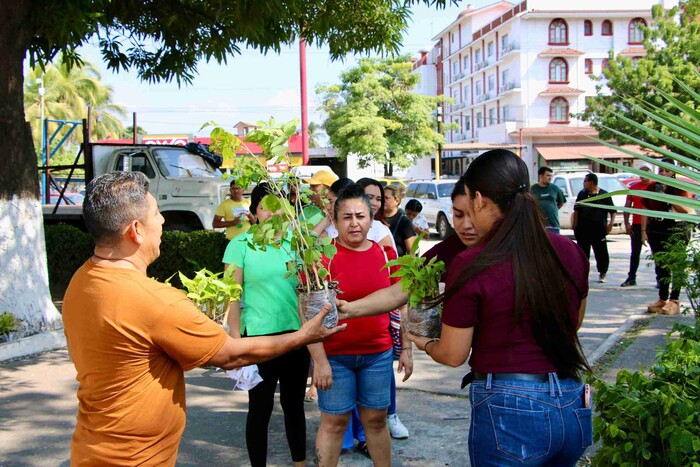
362 449
310 396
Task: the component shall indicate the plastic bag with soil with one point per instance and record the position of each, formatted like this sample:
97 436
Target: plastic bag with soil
313 302
422 320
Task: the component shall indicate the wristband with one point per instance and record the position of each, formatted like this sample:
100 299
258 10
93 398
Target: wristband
434 339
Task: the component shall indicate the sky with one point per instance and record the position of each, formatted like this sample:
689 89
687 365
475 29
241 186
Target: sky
252 86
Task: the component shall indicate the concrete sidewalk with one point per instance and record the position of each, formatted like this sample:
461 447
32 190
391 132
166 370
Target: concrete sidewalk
39 403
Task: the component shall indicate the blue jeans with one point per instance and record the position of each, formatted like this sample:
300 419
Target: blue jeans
528 422
358 380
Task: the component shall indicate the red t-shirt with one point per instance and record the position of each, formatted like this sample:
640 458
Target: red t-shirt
637 200
486 302
359 273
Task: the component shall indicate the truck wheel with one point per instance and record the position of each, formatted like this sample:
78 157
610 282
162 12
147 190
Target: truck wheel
180 227
444 229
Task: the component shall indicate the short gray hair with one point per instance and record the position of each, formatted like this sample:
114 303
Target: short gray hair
112 201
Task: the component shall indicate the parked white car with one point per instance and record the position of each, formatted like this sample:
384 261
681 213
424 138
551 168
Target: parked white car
435 196
572 183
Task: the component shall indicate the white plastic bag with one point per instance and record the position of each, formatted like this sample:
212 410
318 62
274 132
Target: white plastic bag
246 377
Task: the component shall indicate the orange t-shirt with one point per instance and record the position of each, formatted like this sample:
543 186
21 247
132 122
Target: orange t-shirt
130 338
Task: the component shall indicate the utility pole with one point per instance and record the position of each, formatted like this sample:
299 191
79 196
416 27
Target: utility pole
304 103
438 116
44 155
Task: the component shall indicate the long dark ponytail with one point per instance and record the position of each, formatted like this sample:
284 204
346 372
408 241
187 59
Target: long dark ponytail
540 277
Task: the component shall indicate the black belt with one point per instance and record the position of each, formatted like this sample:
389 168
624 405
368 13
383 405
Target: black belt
473 376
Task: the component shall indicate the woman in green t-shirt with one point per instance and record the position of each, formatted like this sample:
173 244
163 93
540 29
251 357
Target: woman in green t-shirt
269 308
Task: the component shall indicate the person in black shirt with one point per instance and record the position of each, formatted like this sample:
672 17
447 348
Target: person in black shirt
591 224
401 226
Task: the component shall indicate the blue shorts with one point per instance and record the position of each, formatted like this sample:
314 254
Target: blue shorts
362 380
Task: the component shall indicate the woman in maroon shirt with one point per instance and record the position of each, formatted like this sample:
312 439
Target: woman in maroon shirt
515 302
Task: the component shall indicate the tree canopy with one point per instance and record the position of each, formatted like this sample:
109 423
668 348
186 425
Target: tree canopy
671 46
375 114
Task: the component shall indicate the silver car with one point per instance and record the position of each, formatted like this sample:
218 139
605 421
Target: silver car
435 196
572 183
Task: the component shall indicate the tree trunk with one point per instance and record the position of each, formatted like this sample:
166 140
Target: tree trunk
24 285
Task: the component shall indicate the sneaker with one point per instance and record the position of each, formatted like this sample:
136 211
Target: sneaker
657 306
601 279
396 428
671 308
629 283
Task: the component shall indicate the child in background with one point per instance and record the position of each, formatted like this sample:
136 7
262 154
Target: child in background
413 209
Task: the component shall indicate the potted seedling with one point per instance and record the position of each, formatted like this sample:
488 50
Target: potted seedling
420 278
10 326
212 292
307 250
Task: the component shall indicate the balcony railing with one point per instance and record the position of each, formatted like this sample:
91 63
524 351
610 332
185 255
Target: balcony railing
509 48
479 66
505 87
483 97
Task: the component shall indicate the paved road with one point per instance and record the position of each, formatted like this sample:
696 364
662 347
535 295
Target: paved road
37 396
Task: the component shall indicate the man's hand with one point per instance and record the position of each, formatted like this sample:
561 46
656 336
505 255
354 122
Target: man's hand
251 217
644 237
628 230
315 331
609 228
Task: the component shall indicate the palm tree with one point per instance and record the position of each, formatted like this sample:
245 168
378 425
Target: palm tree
68 94
315 133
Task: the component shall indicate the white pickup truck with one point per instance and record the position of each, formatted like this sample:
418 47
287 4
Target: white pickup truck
186 183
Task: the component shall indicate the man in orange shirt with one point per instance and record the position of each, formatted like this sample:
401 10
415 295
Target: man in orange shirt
131 337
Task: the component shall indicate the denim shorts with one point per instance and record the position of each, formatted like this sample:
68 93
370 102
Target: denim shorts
528 422
358 380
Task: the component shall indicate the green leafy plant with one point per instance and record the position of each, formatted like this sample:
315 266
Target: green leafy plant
419 277
212 292
307 248
9 323
653 419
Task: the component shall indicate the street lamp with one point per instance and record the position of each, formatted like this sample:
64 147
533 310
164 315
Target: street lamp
438 117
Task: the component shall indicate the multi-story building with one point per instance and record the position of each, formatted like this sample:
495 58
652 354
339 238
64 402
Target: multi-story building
517 73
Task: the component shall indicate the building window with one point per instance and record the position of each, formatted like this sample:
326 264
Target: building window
606 28
558 32
505 111
559 110
492 82
477 57
605 64
455 68
490 49
467 124
558 71
505 79
465 64
504 43
455 96
479 120
588 28
588 66
636 35
467 94
492 116
477 88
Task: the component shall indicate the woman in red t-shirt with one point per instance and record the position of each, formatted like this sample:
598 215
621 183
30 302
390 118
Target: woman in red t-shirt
354 368
515 302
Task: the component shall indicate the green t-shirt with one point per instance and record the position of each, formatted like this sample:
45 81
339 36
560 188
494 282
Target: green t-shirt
313 214
549 196
269 299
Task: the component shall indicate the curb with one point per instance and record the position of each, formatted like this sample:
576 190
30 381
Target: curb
31 345
615 337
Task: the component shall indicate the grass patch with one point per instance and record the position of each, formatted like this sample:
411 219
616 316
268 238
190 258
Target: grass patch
604 362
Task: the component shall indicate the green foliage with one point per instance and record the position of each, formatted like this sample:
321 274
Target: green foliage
164 40
659 125
212 292
684 263
8 323
306 247
653 419
672 56
68 247
375 113
418 278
